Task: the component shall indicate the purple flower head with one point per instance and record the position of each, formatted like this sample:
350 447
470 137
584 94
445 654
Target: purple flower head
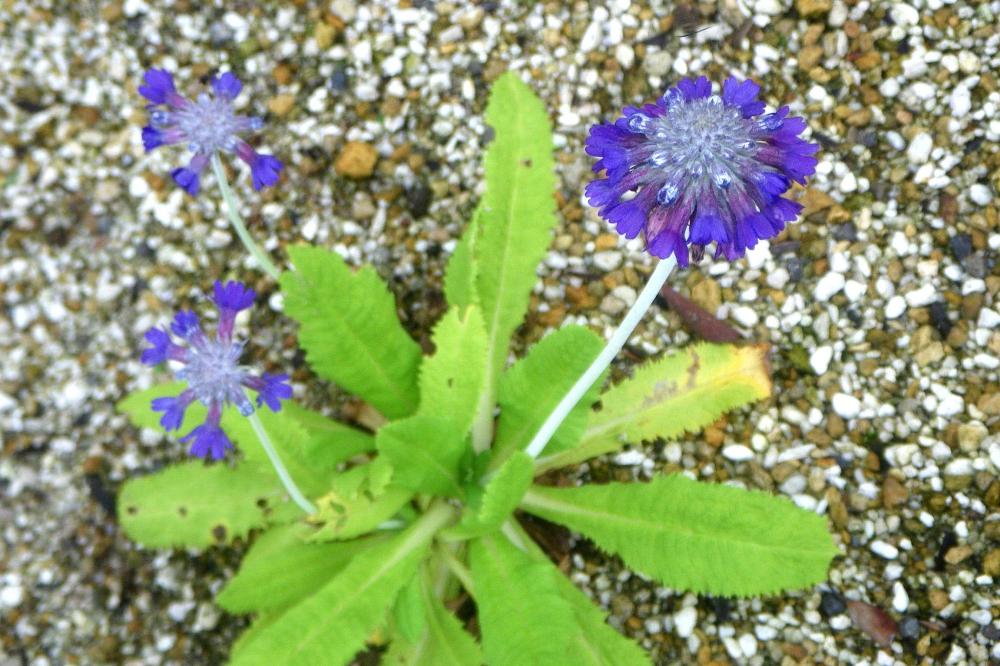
694 168
207 125
211 367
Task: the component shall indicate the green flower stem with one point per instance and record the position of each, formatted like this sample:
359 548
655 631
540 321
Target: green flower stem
279 467
234 218
603 360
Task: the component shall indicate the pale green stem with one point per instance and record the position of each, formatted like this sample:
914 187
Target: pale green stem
279 467
603 360
457 567
237 221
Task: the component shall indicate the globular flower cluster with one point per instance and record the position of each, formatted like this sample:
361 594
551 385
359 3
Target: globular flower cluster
208 124
211 368
694 168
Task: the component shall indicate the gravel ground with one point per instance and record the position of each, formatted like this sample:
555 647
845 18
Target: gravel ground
881 304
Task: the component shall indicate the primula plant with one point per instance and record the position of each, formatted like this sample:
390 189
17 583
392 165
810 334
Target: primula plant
409 536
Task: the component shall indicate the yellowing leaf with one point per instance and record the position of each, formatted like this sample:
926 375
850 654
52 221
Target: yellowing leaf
681 392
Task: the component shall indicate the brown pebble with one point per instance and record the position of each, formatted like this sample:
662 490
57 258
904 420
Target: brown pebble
281 104
869 60
580 298
938 599
813 7
991 563
356 160
714 436
708 295
873 621
324 34
282 74
894 492
606 242
957 554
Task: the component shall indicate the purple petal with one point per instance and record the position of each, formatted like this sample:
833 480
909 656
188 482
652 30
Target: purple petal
160 350
233 295
173 409
185 324
628 218
264 171
693 89
707 228
271 390
227 86
188 180
151 138
208 441
159 86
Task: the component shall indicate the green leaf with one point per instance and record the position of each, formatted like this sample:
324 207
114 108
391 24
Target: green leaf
460 275
679 393
330 626
260 622
532 387
452 379
408 613
517 213
441 641
359 500
284 427
194 504
694 536
597 643
329 442
523 615
502 495
281 568
426 453
350 331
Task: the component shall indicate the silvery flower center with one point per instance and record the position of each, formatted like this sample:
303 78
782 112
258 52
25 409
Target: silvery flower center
213 371
697 143
209 124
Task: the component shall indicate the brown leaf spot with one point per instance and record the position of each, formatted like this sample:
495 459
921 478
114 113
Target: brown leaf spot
526 162
219 533
693 369
182 510
132 510
661 391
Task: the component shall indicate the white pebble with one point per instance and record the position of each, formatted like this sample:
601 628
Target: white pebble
846 406
828 285
900 599
591 37
988 318
895 307
922 297
981 617
608 260
920 148
849 183
903 14
980 194
11 596
854 290
737 452
960 101
745 316
884 550
684 621
820 359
